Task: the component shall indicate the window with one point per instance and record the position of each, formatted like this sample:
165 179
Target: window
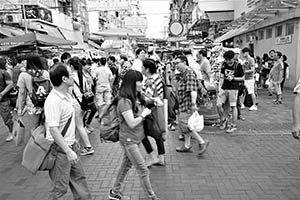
269 33
289 28
278 31
261 35
247 38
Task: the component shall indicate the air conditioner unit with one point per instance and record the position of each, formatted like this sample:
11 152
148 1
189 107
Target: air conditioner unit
252 38
9 18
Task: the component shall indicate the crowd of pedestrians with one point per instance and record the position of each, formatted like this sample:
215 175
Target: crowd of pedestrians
234 74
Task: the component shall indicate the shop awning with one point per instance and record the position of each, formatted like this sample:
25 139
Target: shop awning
11 32
72 35
230 34
34 39
49 29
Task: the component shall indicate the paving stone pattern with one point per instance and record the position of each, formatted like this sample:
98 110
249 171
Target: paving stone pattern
261 164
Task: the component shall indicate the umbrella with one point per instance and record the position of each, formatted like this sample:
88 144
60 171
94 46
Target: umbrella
34 39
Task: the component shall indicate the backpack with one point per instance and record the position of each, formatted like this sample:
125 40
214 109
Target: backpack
109 122
41 88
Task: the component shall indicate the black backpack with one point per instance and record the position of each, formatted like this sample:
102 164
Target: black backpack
41 88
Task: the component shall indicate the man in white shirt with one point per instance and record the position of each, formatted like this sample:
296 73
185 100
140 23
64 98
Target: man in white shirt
67 170
249 69
138 62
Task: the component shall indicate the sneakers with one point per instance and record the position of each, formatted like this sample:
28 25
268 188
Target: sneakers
231 129
151 161
87 151
241 118
161 161
253 108
171 127
181 137
224 124
89 128
203 147
184 149
87 131
278 102
9 138
117 196
242 106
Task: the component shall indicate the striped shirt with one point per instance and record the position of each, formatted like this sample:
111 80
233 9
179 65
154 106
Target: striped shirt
154 86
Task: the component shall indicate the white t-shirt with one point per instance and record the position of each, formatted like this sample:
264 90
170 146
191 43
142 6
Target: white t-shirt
137 65
195 66
104 78
58 109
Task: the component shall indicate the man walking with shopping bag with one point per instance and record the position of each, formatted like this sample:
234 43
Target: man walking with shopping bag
187 95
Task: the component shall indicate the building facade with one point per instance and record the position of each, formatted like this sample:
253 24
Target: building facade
272 24
59 18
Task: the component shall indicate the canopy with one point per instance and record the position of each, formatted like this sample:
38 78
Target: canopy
34 39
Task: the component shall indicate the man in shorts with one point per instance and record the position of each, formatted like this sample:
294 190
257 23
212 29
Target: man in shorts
187 96
249 69
231 74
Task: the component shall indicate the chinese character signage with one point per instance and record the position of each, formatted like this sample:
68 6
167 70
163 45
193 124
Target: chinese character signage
37 12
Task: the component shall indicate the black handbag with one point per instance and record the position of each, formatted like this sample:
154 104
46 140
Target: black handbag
87 98
154 124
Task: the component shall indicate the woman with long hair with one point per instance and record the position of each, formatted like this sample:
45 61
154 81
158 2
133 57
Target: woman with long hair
27 112
131 112
80 85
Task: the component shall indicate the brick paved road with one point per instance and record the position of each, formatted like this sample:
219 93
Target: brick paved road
258 164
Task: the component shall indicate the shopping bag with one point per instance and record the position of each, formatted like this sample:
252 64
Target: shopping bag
196 122
19 132
154 124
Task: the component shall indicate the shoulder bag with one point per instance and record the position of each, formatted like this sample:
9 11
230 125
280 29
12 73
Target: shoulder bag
38 154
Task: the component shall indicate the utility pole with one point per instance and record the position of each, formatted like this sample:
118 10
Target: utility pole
24 15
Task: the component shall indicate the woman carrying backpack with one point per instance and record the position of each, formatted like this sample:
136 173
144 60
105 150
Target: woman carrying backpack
131 112
29 110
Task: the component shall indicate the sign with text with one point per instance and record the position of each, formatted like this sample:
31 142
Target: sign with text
283 40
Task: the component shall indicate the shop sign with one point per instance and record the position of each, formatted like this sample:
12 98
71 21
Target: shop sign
283 40
37 12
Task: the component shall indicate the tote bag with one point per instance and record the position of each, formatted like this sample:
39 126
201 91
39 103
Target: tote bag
154 124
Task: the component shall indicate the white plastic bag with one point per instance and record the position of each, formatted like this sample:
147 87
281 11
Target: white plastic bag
196 122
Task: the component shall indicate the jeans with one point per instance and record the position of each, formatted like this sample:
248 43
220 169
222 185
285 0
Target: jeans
65 174
159 142
133 156
5 112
